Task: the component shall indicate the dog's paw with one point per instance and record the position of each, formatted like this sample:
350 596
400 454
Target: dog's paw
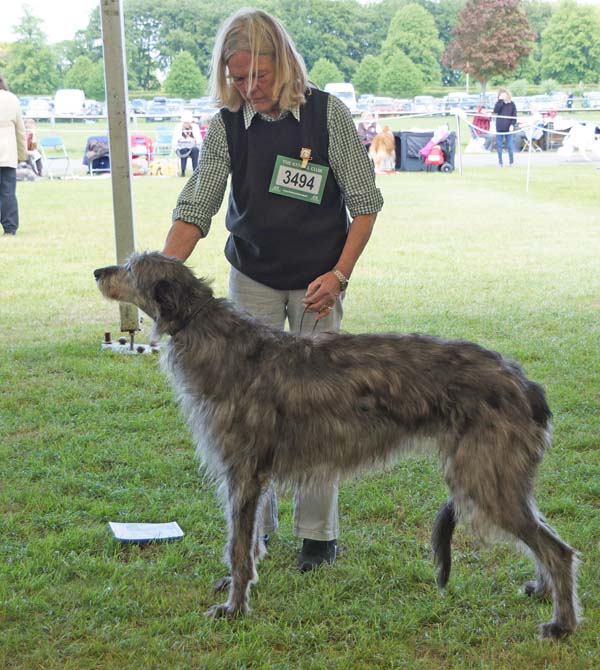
222 584
224 611
553 631
535 589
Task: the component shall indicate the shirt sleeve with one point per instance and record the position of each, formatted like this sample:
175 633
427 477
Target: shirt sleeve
21 136
202 196
350 163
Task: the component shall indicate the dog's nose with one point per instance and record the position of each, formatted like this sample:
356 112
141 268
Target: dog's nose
98 273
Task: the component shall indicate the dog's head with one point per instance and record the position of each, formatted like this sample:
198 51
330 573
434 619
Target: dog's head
162 287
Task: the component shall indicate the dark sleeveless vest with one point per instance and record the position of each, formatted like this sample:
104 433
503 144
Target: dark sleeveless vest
278 241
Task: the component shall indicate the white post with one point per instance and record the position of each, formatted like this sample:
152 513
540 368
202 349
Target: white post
115 76
459 145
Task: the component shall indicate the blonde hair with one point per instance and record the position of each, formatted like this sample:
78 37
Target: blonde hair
507 95
260 34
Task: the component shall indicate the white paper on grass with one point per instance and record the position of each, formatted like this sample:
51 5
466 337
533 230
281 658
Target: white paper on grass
145 532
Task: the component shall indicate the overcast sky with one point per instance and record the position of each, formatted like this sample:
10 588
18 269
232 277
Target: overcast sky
62 18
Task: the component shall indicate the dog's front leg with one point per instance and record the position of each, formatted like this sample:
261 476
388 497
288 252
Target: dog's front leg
242 510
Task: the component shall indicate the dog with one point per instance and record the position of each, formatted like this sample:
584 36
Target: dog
583 138
383 151
266 405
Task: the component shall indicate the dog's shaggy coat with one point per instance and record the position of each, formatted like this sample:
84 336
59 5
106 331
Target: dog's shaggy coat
264 404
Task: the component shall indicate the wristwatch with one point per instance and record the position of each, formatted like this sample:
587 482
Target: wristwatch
341 278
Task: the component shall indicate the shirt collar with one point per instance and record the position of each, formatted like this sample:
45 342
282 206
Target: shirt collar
250 113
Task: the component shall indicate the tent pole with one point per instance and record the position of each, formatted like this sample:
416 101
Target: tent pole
115 76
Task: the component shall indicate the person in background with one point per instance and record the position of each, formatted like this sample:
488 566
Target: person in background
204 123
531 129
35 157
186 141
481 122
367 129
505 112
13 150
291 250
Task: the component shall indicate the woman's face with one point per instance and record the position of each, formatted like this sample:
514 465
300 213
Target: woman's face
263 79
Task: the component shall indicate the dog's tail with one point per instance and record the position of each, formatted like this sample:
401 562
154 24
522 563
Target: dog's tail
441 540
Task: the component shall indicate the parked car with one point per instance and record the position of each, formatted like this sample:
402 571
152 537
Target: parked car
137 106
157 110
345 92
591 100
426 104
386 105
39 108
69 102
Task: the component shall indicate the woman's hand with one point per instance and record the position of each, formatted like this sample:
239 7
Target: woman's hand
321 294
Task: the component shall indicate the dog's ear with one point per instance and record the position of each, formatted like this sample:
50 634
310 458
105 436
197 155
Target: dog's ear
165 295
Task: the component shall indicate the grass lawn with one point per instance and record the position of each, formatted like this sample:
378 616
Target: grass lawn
87 437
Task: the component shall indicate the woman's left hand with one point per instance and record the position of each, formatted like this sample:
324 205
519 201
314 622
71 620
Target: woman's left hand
322 294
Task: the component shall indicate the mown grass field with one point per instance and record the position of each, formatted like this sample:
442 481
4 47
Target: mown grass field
87 437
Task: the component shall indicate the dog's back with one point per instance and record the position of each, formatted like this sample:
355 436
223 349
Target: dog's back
383 150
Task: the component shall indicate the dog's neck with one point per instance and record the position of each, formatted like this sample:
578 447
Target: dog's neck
183 324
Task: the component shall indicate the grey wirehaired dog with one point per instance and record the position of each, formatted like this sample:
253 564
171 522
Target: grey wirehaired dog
267 405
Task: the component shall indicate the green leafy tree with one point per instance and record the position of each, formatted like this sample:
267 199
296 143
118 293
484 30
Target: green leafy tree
490 39
400 77
414 33
31 67
366 77
324 29
185 79
79 74
96 88
324 72
570 44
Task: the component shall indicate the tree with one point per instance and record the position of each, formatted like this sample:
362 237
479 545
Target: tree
31 67
413 32
323 72
366 77
185 79
400 77
79 74
490 39
570 46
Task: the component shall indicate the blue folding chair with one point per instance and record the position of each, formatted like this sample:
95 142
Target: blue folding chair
96 155
54 153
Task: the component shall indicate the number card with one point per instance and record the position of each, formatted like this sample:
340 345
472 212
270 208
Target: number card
291 180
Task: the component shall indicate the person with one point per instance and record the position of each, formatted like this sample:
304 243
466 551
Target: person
570 100
367 129
186 141
481 122
505 112
291 248
532 129
13 150
34 156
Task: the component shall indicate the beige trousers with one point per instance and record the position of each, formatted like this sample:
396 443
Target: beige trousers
315 511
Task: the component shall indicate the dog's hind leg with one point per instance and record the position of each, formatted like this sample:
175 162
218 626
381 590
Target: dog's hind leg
556 562
441 540
242 510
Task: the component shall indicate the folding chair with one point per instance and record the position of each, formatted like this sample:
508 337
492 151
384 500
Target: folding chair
163 144
532 138
142 152
96 155
54 151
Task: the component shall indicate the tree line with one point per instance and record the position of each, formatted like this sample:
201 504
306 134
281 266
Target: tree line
392 47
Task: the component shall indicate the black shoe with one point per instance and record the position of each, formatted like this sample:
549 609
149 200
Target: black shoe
315 553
